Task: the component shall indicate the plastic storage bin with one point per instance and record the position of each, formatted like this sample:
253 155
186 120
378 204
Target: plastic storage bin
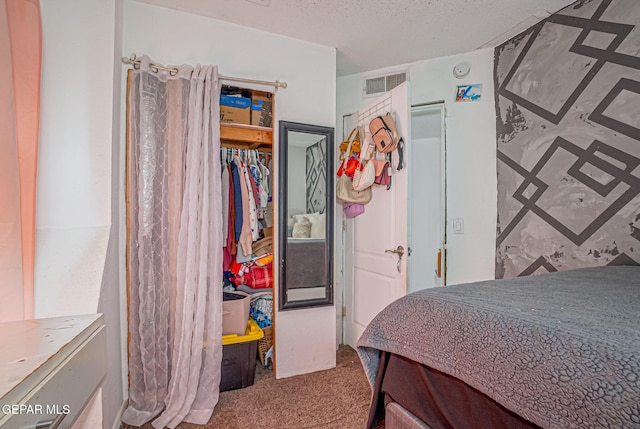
239 358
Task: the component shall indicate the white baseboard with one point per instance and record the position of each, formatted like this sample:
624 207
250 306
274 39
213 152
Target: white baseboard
117 423
91 415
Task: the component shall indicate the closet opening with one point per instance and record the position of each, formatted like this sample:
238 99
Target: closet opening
427 198
246 156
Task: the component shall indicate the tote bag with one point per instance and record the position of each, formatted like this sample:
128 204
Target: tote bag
365 174
346 193
344 187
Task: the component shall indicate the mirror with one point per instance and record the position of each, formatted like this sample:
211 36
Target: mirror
306 215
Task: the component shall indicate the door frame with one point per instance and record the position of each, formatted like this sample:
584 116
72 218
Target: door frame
381 105
340 240
341 309
433 106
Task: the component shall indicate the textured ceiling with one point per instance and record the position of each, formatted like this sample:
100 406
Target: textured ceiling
370 34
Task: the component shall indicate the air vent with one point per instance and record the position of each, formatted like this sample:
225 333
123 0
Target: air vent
379 85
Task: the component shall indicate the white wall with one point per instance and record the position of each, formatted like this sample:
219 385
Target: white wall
471 153
77 262
73 200
305 339
74 169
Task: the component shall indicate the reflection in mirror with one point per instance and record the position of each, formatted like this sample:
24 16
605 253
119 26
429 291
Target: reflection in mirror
306 223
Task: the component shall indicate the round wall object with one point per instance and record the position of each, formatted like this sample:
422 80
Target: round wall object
461 70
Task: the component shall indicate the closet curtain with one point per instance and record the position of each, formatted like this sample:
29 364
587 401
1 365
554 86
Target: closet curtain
174 253
20 69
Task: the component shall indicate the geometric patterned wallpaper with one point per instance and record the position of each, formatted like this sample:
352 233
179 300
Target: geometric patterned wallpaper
568 141
316 172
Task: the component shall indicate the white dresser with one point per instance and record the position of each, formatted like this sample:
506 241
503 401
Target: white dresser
49 370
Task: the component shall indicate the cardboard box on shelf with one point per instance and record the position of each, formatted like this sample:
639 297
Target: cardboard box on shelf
234 109
261 108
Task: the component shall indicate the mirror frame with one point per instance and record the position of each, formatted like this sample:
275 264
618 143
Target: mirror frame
284 128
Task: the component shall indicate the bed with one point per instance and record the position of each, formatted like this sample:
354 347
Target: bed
306 263
558 350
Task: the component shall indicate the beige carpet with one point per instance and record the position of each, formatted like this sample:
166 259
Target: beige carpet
334 399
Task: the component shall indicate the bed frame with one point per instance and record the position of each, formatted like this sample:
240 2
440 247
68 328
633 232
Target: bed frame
556 350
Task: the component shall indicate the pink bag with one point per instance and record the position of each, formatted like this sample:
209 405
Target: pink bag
352 210
382 168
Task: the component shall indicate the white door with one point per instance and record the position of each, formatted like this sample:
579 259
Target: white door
374 277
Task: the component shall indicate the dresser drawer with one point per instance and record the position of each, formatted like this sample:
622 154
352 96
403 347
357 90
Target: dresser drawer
75 374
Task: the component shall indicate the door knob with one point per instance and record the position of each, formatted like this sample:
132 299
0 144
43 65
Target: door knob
398 251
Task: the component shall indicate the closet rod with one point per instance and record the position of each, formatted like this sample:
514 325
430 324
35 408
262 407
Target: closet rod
135 62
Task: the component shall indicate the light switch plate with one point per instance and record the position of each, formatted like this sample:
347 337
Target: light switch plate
458 226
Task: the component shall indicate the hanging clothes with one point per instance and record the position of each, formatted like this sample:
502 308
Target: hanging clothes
245 238
246 204
237 200
264 171
228 242
232 215
225 202
262 181
254 204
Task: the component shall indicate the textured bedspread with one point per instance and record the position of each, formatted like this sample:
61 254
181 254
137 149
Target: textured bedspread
562 350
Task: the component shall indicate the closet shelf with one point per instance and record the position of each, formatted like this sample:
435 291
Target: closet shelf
246 136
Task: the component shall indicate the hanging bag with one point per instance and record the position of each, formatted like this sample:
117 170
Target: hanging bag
365 174
346 193
344 187
382 172
385 135
349 153
352 210
354 139
349 168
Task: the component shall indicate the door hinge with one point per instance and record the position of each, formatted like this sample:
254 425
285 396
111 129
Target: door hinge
344 311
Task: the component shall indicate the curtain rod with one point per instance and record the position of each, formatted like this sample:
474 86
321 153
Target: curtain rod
135 62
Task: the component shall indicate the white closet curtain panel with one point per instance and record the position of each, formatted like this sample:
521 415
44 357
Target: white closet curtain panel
175 246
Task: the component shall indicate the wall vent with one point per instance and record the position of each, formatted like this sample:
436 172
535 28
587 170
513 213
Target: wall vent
381 84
